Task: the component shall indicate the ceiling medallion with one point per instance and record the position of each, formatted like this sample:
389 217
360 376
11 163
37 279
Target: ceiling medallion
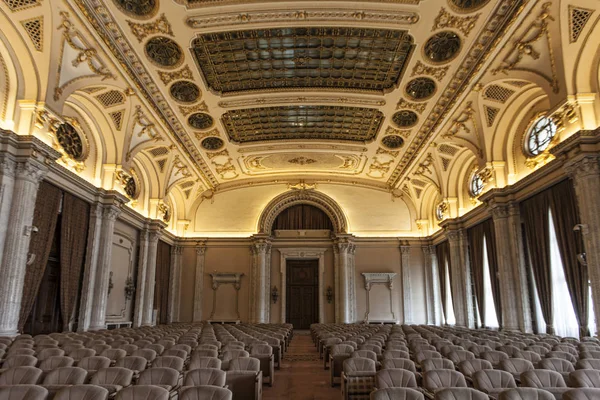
70 141
393 142
467 5
185 91
212 143
420 88
442 47
200 121
164 52
405 118
138 8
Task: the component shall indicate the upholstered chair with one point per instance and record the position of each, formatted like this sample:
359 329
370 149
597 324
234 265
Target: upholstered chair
437 379
582 394
460 394
585 378
493 381
436 363
20 376
526 393
204 362
388 378
516 366
551 381
396 394
143 392
23 392
206 393
82 392
112 379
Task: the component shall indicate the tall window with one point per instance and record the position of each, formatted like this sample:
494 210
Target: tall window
539 136
450 318
491 319
591 315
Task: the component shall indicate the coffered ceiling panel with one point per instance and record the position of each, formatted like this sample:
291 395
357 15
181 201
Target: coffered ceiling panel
302 122
290 58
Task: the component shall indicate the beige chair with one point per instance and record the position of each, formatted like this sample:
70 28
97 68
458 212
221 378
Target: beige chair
148 354
395 354
135 363
245 385
23 392
396 394
82 392
166 378
129 348
244 364
175 353
21 351
78 354
206 393
60 378
114 355
436 363
389 378
509 350
143 392
493 381
205 362
460 355
426 354
586 354
175 363
112 379
401 363
585 378
460 394
494 357
264 353
469 367
478 349
438 379
582 394
358 377
93 364
205 353
588 364
47 353
530 356
526 394
205 376
337 354
157 348
54 362
19 361
563 355
20 376
545 379
516 366
559 365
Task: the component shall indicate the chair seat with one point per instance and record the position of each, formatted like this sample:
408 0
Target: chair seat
111 388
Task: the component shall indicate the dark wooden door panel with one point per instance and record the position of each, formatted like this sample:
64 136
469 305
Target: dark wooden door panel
302 293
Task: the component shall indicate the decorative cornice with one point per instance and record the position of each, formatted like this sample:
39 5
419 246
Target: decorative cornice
261 101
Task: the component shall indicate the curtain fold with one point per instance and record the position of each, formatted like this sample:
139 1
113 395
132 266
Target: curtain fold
73 240
45 217
534 212
563 205
441 251
475 236
490 244
162 278
302 216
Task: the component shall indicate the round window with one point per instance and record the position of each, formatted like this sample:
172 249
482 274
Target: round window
476 185
539 136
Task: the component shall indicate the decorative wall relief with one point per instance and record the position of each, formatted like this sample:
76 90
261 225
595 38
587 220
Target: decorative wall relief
226 278
374 278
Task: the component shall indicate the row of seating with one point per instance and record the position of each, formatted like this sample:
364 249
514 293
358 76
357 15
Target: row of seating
173 358
431 359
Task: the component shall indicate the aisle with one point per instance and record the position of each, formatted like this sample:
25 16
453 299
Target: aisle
302 376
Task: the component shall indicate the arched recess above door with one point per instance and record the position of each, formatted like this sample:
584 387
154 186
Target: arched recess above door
309 197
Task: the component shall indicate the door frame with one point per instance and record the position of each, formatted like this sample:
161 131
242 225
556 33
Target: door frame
302 254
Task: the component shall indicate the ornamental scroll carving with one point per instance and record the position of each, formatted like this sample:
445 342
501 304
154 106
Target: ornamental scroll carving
385 278
225 278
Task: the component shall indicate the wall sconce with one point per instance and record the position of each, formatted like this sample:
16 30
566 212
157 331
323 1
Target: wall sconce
110 283
129 288
329 294
274 294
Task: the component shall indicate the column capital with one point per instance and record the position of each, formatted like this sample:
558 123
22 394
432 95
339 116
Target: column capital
453 235
261 244
404 249
201 248
31 170
176 250
581 167
8 165
428 249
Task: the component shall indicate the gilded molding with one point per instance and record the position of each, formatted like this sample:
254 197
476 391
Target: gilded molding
418 107
422 69
143 30
448 20
168 77
211 3
223 20
390 153
295 146
187 110
301 99
201 135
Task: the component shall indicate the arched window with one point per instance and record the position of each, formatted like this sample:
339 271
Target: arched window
476 185
539 136
304 217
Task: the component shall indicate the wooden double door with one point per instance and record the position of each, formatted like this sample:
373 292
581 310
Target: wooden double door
302 293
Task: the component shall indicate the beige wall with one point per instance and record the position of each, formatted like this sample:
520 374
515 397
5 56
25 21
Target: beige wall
123 265
188 277
417 286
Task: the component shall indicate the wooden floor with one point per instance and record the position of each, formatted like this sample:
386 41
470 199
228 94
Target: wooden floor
301 376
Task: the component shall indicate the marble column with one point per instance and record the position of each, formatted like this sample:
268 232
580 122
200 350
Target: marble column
199 281
110 212
175 284
430 284
344 249
511 266
150 282
261 280
459 283
406 285
7 183
28 175
585 172
138 314
467 278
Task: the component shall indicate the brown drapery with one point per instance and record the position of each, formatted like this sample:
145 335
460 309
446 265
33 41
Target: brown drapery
475 235
73 240
302 216
492 252
45 217
534 213
442 252
563 205
162 278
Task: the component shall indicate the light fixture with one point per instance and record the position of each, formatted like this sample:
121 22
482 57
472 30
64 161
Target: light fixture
274 294
329 294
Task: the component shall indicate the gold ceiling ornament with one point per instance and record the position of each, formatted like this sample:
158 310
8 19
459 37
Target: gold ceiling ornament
565 115
65 133
578 18
391 153
502 16
187 110
148 128
309 99
35 29
302 160
180 167
398 17
143 30
165 210
378 169
213 132
222 153
302 185
460 122
418 107
426 166
168 77
437 72
296 146
448 20
523 46
405 133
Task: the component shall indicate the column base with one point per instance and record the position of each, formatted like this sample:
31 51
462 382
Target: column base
96 327
11 333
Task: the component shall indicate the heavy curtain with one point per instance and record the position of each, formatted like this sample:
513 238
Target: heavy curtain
45 217
475 236
442 251
161 287
492 252
563 205
302 216
534 213
73 240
